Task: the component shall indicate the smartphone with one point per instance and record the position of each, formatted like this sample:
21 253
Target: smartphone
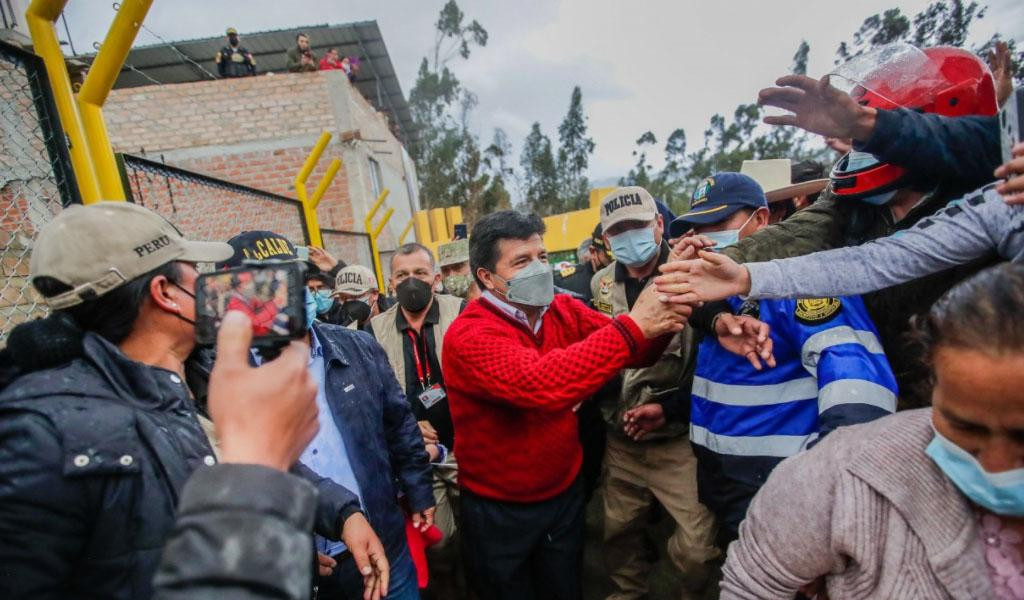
273 295
1011 122
461 231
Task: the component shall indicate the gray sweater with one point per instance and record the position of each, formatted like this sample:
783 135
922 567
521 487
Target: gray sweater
867 510
968 229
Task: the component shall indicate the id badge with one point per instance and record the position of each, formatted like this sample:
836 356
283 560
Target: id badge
432 395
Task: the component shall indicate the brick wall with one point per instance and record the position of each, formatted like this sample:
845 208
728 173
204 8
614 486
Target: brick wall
253 131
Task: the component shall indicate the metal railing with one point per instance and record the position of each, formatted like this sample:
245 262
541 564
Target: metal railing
36 180
353 247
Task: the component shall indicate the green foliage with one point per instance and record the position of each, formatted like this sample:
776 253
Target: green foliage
574 153
540 174
449 163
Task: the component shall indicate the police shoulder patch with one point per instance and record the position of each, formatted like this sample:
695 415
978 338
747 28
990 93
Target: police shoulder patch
566 272
814 311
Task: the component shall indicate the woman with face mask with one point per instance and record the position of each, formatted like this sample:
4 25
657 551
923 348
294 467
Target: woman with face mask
926 503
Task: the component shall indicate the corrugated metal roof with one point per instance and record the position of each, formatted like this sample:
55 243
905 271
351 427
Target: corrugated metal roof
377 81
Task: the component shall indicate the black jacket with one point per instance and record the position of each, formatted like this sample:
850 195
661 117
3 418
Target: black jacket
93 456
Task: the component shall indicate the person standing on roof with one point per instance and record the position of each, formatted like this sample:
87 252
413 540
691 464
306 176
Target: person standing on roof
234 60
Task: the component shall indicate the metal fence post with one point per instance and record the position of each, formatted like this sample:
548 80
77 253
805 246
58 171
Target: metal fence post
309 203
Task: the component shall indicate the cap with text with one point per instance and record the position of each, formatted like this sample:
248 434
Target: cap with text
100 247
718 198
630 203
355 280
259 246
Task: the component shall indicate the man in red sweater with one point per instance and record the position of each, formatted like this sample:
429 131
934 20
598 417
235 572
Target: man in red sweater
517 364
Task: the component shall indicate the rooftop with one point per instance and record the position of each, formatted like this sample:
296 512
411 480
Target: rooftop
193 60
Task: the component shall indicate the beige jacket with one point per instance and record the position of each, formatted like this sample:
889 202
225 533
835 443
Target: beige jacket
387 334
869 510
658 382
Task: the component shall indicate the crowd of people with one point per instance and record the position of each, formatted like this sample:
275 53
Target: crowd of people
816 379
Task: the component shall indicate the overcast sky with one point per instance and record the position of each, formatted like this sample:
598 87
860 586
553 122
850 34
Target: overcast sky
642 65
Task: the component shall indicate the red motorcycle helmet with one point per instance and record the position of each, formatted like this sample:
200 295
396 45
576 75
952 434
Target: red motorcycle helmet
943 80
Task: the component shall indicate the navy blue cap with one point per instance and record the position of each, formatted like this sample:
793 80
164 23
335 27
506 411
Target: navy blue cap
258 246
718 198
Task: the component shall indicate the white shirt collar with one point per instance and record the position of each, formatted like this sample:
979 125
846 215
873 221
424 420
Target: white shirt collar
512 311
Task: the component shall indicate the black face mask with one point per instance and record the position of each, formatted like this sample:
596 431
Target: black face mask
357 310
233 40
414 295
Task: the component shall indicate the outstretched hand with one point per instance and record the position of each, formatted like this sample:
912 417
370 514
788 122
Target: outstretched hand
1012 190
747 337
818 107
1001 64
710 277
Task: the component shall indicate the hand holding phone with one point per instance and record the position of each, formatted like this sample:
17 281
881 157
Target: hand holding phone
272 295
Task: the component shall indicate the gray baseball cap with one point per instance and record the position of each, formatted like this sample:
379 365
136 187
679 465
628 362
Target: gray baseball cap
100 247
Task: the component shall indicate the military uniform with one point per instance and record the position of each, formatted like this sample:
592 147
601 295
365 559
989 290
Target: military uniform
661 467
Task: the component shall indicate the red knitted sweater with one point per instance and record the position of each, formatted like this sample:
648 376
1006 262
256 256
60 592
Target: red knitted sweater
512 393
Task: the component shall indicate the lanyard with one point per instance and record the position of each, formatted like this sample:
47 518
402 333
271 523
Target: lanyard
422 367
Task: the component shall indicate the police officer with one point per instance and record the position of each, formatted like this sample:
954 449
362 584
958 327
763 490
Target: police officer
234 60
647 457
830 369
576 278
358 298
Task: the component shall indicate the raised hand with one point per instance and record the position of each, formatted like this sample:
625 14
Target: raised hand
818 107
1001 64
710 277
322 259
747 337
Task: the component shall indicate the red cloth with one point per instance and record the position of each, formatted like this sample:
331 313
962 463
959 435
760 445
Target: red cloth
261 314
419 541
326 65
511 393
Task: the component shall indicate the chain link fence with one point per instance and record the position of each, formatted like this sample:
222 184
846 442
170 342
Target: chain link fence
36 180
350 246
207 208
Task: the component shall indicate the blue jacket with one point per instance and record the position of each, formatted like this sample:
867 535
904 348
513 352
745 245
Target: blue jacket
382 438
959 152
831 372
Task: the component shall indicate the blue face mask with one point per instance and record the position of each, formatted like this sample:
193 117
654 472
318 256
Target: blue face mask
323 300
310 308
635 247
1001 493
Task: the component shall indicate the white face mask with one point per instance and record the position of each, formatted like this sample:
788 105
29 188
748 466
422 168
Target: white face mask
728 237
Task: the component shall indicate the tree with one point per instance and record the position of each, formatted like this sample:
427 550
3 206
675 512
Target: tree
574 153
540 174
446 153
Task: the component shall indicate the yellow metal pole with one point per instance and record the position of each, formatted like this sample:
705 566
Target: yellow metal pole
374 233
405 232
309 204
422 225
40 17
102 74
321 188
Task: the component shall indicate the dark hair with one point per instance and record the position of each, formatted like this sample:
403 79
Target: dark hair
979 313
113 314
301 34
412 248
320 276
488 231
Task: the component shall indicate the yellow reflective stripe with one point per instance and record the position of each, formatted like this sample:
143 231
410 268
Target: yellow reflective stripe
704 212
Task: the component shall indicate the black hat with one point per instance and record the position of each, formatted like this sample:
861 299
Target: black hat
258 246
